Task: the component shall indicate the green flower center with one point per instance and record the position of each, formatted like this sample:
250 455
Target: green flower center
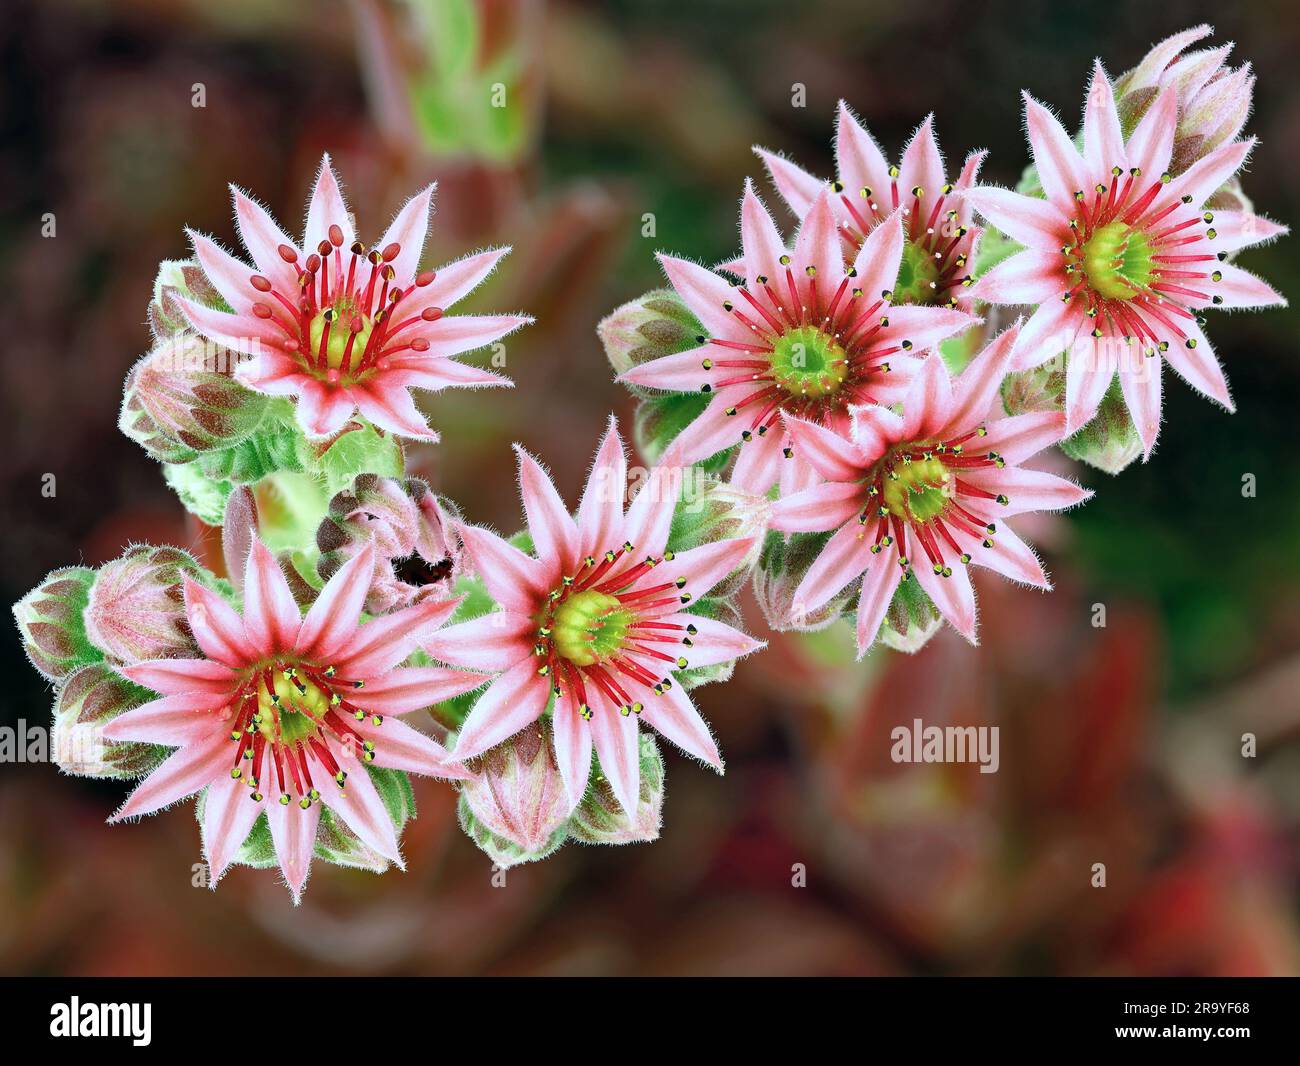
341 336
919 490
297 710
808 362
918 275
589 626
1117 261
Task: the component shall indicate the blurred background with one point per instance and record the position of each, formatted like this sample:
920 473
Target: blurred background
1119 745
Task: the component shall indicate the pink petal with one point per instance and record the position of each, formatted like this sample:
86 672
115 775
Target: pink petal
181 774
173 677
680 372
873 429
358 804
442 372
929 405
1141 389
843 559
228 816
327 209
1241 229
1028 277
1198 365
333 618
1238 288
1088 373
880 256
457 334
953 596
1208 173
860 162
323 409
600 513
976 390
879 583
409 229
1103 140
818 246
218 630
713 429
1152 142
797 187
494 641
1011 557
760 240
674 716
263 239
228 275
242 333
392 409
512 702
819 509
456 280
1035 223
832 456
705 293
383 643
922 165
650 514
1022 436
416 687
759 461
572 742
617 742
702 567
1060 168
1050 331
925 326
271 616
1026 490
713 641
554 533
293 832
399 747
172 720
515 580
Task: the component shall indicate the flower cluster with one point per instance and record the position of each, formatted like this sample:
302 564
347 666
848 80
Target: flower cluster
832 414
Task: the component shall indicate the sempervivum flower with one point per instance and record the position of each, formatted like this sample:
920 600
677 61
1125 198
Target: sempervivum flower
923 495
941 238
417 553
599 619
342 327
284 712
1120 257
802 334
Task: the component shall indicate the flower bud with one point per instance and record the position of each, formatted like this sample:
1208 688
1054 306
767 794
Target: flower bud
599 819
649 327
136 609
418 554
182 400
1214 99
711 510
91 697
177 278
51 624
516 809
783 563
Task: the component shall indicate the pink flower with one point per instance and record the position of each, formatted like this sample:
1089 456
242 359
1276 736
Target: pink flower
596 618
343 328
922 495
285 710
802 334
1120 257
941 238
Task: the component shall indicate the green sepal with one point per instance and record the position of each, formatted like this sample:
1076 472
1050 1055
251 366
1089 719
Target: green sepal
52 625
